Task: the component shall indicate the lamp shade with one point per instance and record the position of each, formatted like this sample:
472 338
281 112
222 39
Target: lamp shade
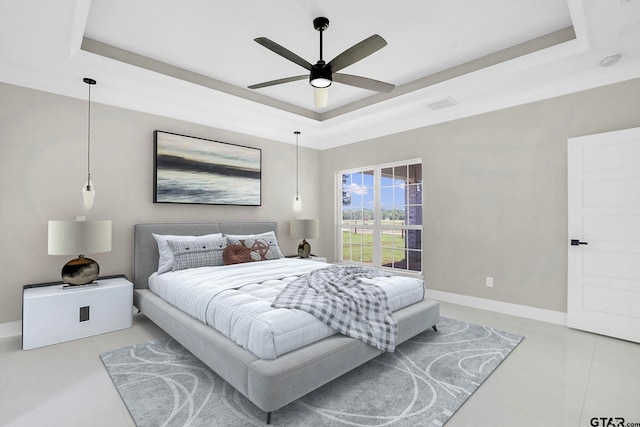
304 229
79 237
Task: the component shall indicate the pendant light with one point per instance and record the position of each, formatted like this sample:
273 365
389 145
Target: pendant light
297 204
88 188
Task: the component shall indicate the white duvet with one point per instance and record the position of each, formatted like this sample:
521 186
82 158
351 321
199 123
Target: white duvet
236 301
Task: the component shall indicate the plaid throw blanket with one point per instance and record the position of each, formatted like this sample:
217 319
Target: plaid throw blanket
337 296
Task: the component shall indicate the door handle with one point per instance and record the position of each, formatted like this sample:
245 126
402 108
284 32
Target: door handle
576 242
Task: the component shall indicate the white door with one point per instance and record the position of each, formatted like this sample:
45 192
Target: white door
604 222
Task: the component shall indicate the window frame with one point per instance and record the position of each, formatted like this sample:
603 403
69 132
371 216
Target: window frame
377 225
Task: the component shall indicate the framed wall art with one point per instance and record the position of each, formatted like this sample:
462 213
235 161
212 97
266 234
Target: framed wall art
201 171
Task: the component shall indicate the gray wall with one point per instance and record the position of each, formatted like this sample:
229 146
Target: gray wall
495 194
495 187
43 142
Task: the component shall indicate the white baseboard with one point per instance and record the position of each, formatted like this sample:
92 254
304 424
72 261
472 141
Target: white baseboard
10 329
525 311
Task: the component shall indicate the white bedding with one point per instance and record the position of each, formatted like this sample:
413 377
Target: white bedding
236 301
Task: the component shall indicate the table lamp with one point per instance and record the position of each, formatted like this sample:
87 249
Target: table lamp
304 229
79 238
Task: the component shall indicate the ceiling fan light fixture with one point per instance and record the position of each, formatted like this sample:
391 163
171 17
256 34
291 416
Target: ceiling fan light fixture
320 76
320 83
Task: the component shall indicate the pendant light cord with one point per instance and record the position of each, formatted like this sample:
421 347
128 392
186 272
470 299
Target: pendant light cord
90 82
89 141
297 133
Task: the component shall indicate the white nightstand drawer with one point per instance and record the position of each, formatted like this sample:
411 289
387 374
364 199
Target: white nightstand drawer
51 314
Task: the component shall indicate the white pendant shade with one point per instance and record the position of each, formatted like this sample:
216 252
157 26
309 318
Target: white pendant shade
88 194
297 204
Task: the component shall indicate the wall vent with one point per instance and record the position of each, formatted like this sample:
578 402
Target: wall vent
442 103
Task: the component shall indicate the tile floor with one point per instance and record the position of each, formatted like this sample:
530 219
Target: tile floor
555 377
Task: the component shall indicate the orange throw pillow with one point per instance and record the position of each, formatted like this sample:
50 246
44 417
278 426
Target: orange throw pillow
236 254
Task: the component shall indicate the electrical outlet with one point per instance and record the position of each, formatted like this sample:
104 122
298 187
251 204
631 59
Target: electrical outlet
489 282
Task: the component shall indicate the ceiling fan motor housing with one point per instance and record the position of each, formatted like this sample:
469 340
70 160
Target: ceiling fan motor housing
320 75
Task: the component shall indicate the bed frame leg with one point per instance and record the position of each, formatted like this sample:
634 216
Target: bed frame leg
435 329
268 417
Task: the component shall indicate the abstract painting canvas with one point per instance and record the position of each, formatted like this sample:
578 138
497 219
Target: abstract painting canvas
202 171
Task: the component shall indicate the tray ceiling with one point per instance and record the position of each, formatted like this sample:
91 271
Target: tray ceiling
193 60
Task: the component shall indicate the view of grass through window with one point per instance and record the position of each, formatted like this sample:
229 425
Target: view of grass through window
360 242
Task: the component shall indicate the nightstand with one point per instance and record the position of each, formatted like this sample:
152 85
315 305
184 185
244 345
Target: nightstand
52 314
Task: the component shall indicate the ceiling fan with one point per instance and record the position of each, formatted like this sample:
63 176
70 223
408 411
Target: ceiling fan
322 74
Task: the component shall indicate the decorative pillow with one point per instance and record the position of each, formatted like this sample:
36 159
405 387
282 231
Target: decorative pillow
247 251
197 253
269 237
236 254
165 261
260 250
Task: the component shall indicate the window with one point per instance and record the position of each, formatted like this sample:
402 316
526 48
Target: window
380 216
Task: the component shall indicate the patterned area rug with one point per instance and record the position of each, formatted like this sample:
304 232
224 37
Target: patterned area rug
422 383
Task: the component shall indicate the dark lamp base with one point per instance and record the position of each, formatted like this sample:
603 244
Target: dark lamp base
304 249
80 271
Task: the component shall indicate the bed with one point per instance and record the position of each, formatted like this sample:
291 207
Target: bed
270 383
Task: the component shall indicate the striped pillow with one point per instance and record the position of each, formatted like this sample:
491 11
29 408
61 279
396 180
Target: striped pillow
165 261
197 253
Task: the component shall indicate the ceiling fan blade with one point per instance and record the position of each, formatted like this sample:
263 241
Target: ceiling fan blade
284 52
357 52
277 82
363 82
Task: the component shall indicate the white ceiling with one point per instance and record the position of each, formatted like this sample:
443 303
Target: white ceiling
192 60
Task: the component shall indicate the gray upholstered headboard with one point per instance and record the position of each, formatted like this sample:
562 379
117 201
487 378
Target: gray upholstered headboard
145 248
